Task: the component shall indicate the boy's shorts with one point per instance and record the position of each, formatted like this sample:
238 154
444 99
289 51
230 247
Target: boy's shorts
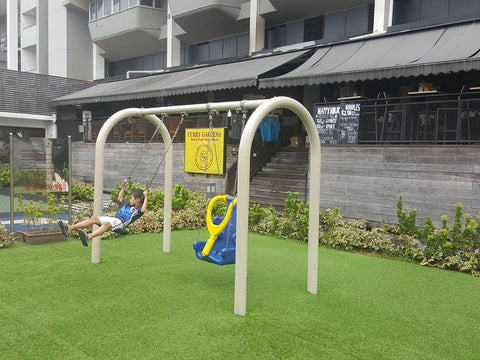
113 221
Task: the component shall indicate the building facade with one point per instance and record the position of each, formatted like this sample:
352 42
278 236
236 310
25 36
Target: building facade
105 38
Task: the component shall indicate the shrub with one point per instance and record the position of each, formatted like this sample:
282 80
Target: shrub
6 239
4 177
406 220
180 197
82 191
192 216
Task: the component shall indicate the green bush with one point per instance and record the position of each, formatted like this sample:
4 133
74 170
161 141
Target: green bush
6 239
33 212
406 220
180 197
4 177
82 192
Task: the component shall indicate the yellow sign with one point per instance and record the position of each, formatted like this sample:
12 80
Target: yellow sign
204 149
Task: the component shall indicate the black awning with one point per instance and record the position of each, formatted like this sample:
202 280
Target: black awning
430 51
230 75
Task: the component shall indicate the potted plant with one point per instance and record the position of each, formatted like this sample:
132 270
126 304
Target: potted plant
32 216
427 86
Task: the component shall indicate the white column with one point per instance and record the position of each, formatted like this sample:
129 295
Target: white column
383 13
173 44
12 35
42 37
51 128
257 28
98 63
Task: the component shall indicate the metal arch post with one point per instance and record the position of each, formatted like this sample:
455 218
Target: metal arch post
99 169
167 201
244 191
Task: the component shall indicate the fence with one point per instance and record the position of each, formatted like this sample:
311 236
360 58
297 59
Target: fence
421 119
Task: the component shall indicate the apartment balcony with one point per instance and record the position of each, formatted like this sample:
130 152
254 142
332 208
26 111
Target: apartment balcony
29 6
206 19
129 33
29 36
181 8
287 10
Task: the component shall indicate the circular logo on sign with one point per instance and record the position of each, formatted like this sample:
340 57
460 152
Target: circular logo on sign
201 156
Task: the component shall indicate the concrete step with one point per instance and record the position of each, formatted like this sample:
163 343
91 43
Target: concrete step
293 167
274 194
293 149
283 173
287 155
271 181
286 160
280 175
266 201
281 187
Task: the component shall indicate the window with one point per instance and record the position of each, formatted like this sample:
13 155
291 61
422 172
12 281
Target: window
132 3
123 4
107 10
116 6
161 4
99 9
313 29
276 37
146 3
93 10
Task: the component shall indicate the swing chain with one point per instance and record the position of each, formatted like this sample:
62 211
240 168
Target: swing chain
183 116
211 135
244 114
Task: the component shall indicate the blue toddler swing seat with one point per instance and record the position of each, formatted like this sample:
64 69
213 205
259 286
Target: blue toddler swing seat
220 247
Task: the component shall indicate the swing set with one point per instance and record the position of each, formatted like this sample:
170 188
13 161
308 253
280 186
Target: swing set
228 239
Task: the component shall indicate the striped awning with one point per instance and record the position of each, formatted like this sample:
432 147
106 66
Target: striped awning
444 49
230 75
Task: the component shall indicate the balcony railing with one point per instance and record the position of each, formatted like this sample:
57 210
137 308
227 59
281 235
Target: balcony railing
421 119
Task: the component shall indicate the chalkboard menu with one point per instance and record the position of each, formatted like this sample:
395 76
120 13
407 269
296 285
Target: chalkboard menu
337 124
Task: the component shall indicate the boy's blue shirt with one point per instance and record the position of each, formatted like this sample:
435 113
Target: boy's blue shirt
126 210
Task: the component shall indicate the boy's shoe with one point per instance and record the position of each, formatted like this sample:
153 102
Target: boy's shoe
84 237
62 227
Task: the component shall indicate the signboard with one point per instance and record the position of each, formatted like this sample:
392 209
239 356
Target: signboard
204 150
337 124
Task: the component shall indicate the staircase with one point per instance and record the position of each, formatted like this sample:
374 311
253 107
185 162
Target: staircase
286 171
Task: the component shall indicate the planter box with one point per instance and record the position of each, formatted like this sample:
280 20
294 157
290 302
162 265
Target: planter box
40 236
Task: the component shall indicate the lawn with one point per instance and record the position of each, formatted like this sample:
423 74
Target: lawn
141 303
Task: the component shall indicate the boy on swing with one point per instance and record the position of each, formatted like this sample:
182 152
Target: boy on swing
129 212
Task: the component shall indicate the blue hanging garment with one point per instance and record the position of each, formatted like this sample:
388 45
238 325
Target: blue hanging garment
223 250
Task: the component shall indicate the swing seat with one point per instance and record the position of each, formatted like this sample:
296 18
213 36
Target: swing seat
221 253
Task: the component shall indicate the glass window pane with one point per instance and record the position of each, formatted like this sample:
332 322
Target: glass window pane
93 10
161 4
123 4
132 3
146 3
99 9
116 5
107 7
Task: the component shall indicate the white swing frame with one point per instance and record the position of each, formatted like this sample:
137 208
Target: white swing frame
262 108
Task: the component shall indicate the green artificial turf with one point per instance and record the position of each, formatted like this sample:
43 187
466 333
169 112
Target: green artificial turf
140 303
